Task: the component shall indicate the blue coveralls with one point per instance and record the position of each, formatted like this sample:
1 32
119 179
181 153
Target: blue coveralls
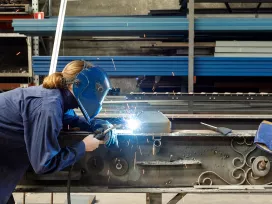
30 122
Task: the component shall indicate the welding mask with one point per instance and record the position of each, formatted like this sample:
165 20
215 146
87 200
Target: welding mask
90 88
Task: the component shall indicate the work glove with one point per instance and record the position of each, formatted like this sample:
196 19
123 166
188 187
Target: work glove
110 138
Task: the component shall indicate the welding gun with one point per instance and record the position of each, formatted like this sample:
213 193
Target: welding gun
109 136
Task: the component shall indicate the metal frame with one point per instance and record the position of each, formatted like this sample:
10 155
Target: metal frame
200 96
29 48
35 41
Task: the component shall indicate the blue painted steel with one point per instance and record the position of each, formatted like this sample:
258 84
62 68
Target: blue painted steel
164 66
141 25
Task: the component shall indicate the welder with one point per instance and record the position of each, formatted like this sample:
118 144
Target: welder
32 118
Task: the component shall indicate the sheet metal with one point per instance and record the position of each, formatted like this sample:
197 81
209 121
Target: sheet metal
164 66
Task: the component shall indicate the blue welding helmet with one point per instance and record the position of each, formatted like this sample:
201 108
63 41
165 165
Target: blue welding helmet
90 88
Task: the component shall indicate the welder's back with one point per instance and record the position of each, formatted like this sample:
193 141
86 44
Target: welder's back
18 108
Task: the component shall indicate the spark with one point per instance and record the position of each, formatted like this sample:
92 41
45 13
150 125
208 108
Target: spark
173 73
113 64
140 150
128 142
18 53
17 10
135 161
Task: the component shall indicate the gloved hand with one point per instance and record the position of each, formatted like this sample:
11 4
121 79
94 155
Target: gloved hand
110 138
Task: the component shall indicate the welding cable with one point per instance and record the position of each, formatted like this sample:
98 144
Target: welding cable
69 180
69 185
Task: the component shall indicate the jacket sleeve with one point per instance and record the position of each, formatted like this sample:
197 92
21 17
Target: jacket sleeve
73 120
41 138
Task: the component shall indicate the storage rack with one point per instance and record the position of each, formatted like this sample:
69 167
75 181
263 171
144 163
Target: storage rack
188 28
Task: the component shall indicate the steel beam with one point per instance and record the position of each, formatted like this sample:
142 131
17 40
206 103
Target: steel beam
191 56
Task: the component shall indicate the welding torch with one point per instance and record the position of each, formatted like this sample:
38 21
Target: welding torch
105 138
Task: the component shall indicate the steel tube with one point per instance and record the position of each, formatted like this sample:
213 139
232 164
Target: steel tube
58 35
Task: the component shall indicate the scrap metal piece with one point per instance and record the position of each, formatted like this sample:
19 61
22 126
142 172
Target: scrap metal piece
153 122
222 130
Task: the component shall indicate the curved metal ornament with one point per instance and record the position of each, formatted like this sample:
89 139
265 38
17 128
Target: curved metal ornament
241 173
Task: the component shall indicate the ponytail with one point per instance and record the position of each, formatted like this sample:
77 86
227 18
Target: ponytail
61 80
54 81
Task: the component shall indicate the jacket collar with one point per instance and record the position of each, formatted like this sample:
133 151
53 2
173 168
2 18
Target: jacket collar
69 100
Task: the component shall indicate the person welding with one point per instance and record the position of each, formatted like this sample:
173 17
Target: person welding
32 118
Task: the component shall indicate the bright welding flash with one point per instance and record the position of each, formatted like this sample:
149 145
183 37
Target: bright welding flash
133 124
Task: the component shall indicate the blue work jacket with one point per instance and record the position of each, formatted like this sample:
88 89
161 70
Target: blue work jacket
30 122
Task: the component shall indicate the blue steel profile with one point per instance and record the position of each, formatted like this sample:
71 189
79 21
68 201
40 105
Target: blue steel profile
165 66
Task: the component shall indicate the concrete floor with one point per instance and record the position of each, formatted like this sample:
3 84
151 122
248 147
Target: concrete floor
119 198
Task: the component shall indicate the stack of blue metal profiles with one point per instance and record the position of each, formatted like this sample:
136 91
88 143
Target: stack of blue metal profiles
165 66
137 25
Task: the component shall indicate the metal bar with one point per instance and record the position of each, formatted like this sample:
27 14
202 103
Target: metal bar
195 116
45 5
169 163
153 198
50 8
201 189
176 133
35 39
177 198
191 19
52 198
228 7
43 45
24 198
58 35
258 9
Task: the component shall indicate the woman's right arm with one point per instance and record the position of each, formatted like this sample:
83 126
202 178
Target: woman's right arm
41 138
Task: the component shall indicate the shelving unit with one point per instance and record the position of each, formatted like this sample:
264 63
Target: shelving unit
188 29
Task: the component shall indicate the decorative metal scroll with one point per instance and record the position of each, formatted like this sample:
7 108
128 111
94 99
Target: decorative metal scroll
242 173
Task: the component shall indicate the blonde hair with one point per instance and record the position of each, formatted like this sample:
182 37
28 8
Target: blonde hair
58 80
